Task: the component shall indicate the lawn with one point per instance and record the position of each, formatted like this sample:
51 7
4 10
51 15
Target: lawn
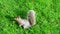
47 16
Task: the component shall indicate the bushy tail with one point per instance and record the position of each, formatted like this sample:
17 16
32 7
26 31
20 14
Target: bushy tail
31 17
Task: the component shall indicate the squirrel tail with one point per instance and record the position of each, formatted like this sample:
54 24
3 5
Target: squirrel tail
31 17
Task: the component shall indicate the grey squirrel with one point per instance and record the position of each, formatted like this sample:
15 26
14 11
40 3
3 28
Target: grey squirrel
26 23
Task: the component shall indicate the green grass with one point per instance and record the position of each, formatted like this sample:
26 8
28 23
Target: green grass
47 16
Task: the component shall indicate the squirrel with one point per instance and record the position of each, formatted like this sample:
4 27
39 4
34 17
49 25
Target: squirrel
26 23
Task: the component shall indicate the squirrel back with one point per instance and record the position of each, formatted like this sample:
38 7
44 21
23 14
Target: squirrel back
31 17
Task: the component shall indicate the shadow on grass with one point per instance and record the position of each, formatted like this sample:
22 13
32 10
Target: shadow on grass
21 13
10 18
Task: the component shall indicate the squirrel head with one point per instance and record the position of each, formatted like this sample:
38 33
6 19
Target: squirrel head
17 18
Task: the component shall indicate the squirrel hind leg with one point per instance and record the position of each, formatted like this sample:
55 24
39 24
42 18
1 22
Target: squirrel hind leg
26 27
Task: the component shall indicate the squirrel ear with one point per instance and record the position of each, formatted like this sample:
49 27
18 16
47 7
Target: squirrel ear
19 17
